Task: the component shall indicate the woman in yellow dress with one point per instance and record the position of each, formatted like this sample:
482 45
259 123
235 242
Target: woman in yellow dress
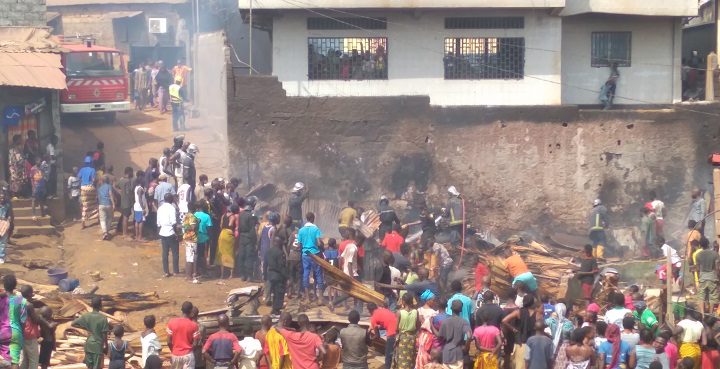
227 241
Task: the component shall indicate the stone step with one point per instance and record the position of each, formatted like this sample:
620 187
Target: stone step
32 221
25 211
21 203
34 230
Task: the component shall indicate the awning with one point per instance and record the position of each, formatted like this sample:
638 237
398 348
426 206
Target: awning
31 69
116 15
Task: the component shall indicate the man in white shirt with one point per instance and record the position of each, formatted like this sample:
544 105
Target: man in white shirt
675 260
349 260
167 219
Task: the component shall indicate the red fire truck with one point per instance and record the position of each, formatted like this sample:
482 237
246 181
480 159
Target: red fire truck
97 79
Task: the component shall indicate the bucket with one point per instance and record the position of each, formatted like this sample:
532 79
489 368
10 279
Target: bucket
68 284
56 274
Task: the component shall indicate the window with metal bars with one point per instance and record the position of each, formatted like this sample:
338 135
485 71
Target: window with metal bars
611 47
347 58
484 58
484 22
346 23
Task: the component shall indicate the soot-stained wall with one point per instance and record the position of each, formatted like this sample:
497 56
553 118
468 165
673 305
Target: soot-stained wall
532 168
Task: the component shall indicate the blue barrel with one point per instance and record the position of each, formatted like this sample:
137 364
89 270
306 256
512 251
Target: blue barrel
68 284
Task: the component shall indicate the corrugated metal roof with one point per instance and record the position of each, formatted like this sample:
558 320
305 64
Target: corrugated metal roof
106 2
115 15
31 69
51 15
27 39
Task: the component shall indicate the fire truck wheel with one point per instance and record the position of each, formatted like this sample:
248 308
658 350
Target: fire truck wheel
109 117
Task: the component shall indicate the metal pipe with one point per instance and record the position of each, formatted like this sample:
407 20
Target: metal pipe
250 37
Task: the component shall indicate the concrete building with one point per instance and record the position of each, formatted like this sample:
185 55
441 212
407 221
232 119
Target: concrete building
26 13
470 52
144 30
31 78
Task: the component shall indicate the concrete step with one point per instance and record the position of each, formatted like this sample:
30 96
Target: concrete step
21 203
34 230
25 211
32 221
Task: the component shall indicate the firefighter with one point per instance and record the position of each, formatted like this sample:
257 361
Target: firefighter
598 222
456 210
177 97
387 217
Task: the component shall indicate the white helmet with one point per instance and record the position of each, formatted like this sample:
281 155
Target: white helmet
453 191
193 149
298 187
597 202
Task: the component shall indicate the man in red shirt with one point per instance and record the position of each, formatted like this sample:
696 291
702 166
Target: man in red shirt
222 348
182 334
306 348
383 318
393 240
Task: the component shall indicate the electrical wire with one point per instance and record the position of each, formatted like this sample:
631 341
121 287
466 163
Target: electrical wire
295 4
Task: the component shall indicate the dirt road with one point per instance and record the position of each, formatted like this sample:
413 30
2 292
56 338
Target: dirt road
137 136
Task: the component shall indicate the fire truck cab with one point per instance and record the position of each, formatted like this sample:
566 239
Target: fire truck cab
97 79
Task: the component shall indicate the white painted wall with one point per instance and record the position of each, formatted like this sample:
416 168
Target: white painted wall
415 59
678 8
399 4
652 78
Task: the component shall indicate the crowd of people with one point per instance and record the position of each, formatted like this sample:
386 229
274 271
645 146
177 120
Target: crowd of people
151 81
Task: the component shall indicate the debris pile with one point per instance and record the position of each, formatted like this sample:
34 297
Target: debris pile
551 271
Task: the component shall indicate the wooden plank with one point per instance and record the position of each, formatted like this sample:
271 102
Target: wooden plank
349 284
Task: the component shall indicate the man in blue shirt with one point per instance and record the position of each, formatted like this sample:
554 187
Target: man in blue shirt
88 196
309 237
106 206
162 188
467 303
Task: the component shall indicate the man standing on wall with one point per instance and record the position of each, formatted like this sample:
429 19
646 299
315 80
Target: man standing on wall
698 209
298 196
598 222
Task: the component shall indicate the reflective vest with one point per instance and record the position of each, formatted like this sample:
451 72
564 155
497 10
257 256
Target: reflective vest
597 226
174 91
455 206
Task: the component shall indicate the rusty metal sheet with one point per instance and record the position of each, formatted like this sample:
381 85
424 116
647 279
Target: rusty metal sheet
31 69
51 3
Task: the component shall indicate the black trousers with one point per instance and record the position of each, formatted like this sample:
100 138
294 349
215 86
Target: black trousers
170 244
277 289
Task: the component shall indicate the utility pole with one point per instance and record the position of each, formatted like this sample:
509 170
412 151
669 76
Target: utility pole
250 37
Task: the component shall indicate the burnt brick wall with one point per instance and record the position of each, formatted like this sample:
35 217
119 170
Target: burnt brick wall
531 168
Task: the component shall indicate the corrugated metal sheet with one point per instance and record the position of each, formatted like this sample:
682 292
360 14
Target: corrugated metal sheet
105 2
27 39
115 15
31 69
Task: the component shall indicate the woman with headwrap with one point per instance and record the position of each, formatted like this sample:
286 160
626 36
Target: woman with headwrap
560 329
425 337
615 353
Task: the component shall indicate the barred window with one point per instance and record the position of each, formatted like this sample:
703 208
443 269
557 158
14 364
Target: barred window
484 22
484 58
346 23
611 47
347 58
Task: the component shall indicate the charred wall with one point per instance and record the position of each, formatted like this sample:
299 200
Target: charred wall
531 168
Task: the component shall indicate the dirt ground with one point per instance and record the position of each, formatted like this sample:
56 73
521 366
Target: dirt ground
136 136
128 266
